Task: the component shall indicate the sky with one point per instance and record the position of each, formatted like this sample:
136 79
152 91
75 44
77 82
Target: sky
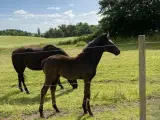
28 15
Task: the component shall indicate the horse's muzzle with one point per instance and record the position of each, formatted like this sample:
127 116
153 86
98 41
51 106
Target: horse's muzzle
117 52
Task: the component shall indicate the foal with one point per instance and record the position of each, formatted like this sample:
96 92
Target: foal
81 67
32 58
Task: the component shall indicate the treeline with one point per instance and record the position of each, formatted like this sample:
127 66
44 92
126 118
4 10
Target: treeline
14 32
130 17
71 30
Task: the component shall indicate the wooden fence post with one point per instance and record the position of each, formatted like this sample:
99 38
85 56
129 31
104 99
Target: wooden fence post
142 76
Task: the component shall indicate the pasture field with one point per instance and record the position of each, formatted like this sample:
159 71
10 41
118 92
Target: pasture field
114 90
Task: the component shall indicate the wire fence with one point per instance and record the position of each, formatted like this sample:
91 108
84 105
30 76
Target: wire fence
136 43
40 84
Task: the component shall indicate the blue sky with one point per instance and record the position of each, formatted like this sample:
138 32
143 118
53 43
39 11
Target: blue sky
28 15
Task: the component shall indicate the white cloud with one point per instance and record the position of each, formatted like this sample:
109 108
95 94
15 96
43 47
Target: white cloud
89 17
71 5
69 13
30 21
89 13
20 12
56 15
53 8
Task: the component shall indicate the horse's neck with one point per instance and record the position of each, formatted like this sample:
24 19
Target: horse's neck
95 57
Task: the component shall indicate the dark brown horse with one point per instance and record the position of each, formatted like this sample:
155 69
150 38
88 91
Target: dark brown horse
32 58
81 67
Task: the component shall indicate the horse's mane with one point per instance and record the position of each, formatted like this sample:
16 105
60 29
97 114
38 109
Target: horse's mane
91 44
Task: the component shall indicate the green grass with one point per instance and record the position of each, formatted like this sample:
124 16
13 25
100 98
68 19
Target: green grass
114 89
17 41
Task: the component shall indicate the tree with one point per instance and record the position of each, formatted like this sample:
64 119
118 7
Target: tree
83 29
63 28
130 17
71 30
38 31
14 32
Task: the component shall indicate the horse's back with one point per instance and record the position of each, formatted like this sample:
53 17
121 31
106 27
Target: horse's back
19 50
67 67
32 57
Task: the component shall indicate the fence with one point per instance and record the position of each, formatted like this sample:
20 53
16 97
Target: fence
142 76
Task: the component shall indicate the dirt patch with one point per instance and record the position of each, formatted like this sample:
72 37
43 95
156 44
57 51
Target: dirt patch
47 114
65 112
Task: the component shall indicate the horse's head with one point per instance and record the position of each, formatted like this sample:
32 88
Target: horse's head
109 46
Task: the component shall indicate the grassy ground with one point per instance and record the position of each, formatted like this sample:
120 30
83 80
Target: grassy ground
114 90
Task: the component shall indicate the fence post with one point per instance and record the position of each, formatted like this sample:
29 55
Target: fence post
142 76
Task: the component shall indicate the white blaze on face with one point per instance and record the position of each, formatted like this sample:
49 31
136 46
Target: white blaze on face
111 41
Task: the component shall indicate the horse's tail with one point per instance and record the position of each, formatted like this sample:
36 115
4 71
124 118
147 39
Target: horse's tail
42 63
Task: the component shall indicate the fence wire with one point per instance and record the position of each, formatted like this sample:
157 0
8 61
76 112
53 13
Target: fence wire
64 83
136 43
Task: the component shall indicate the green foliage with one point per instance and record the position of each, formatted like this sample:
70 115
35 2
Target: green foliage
54 33
84 39
83 29
81 43
71 30
14 32
130 17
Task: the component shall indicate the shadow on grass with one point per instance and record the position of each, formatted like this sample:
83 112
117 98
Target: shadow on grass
27 99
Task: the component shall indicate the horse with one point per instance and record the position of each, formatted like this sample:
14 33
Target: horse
32 58
83 66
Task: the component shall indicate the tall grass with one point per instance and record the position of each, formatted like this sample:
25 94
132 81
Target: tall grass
86 39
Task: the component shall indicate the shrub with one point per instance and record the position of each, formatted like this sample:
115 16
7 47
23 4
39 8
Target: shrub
81 43
84 39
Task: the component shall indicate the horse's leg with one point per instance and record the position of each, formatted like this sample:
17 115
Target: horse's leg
59 83
19 82
25 87
19 66
73 83
44 90
20 70
53 89
86 99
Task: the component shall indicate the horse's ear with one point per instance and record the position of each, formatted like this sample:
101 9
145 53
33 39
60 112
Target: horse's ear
104 35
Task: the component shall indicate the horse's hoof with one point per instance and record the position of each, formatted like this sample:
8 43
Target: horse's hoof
42 116
57 111
62 87
21 90
91 114
75 87
27 92
84 114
